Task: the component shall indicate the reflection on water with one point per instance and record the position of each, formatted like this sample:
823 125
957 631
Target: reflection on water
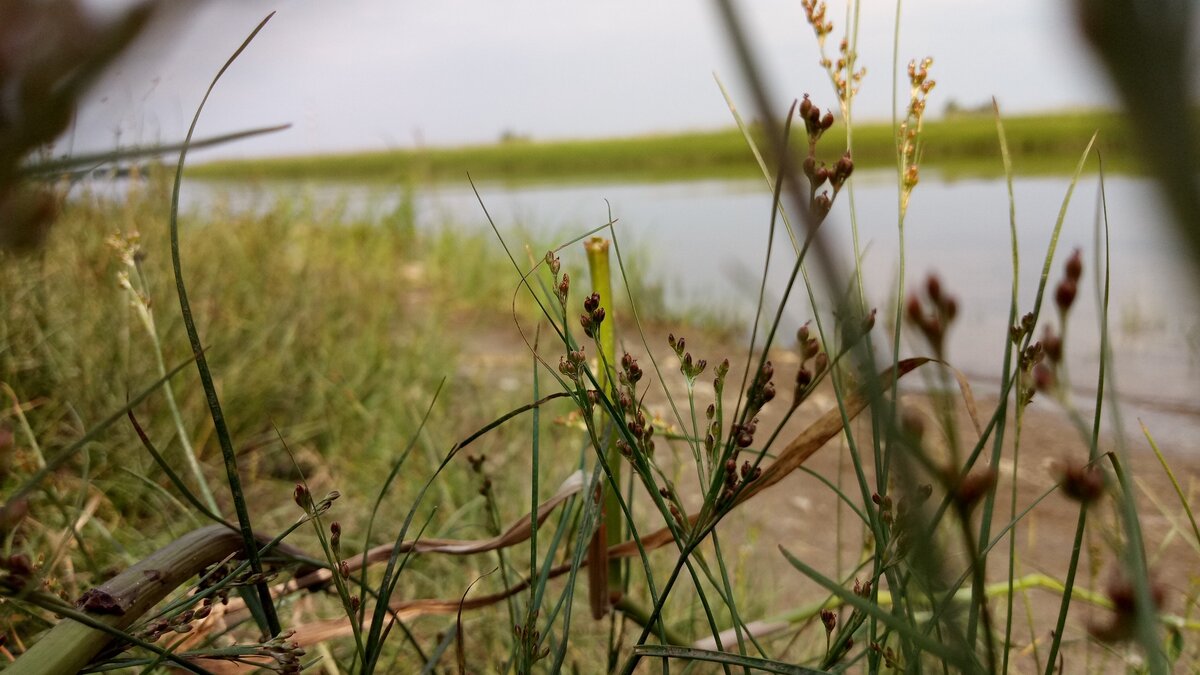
706 242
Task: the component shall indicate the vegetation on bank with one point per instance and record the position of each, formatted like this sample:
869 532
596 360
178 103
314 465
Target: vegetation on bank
328 345
959 143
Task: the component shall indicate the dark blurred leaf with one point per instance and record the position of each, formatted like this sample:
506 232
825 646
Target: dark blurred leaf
1145 45
50 52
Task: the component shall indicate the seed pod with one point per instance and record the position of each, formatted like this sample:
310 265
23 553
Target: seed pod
974 486
1083 483
1064 295
1074 266
829 619
302 497
933 286
844 167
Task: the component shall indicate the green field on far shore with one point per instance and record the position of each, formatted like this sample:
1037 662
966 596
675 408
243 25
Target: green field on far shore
965 143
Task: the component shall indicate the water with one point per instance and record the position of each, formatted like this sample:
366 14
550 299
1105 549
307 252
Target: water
706 242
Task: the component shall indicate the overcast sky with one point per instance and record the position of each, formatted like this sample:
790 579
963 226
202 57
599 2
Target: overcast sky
375 74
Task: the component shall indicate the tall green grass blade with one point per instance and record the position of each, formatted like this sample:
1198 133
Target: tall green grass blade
1183 501
730 600
535 473
1146 611
526 649
393 618
92 161
459 641
990 499
173 477
589 512
271 626
758 158
1006 373
1058 223
144 304
1081 519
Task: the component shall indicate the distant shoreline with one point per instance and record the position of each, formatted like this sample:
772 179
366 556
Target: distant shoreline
964 143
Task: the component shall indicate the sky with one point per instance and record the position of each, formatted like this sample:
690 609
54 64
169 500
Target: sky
380 74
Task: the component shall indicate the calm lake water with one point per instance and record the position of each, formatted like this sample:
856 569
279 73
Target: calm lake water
705 241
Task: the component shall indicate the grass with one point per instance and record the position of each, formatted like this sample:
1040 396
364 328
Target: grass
400 477
961 144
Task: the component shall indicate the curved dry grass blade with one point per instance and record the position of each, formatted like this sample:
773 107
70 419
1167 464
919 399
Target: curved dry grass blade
460 652
709 656
402 610
516 533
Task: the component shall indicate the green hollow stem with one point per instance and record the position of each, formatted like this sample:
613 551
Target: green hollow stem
601 275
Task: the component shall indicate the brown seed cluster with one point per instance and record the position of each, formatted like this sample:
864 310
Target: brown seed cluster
1041 362
818 172
761 392
712 413
529 638
910 128
1122 594
934 321
573 364
970 489
304 500
630 407
735 478
806 377
814 13
690 368
1068 288
1084 483
593 315
562 285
